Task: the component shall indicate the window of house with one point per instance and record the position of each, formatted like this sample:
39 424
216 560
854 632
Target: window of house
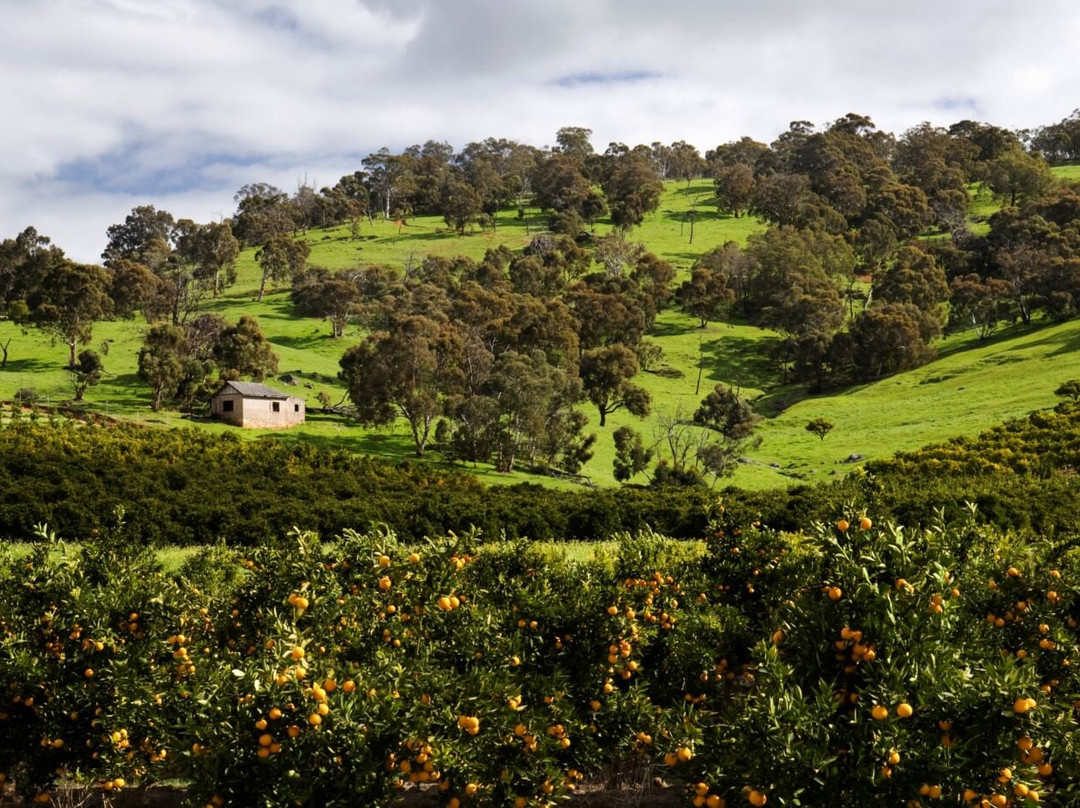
296 408
275 406
227 405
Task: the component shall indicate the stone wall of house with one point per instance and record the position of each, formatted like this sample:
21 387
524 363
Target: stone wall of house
260 413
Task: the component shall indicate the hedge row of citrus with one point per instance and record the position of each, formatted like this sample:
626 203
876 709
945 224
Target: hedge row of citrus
73 476
848 664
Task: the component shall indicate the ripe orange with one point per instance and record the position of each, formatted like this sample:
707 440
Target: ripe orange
865 523
880 712
843 525
904 710
1021 706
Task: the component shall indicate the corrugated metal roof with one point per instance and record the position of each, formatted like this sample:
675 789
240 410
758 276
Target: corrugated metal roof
253 390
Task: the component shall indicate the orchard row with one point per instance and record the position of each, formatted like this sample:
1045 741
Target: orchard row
851 663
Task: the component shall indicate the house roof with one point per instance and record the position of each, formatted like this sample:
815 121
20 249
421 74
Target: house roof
252 390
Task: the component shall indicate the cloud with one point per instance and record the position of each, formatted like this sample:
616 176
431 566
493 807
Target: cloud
112 103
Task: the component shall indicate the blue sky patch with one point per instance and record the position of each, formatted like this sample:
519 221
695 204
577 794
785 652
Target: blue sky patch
123 171
278 17
613 77
951 103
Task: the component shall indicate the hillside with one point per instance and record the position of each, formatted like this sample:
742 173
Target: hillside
971 385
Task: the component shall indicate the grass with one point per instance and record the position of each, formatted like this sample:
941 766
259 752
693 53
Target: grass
172 559
970 387
1068 172
666 232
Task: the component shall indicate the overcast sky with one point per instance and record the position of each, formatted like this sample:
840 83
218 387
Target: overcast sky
107 104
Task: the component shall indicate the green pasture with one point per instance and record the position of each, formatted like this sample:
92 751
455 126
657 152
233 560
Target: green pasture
172 559
971 386
666 232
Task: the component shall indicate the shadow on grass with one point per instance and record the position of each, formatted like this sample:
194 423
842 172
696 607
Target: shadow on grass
1066 342
334 432
776 401
674 329
124 391
740 361
27 366
304 343
961 343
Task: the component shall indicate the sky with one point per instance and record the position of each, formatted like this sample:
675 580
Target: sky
109 104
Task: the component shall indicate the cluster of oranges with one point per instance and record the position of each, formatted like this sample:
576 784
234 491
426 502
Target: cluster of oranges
469 723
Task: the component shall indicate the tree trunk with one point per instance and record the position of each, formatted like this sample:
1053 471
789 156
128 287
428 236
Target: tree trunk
4 348
262 287
72 345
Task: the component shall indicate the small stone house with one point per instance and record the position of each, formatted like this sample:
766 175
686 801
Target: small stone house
256 406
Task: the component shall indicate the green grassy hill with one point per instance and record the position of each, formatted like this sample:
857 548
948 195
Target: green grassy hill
971 386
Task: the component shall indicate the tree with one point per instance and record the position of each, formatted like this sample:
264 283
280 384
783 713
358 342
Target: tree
1069 389
71 298
331 296
86 372
145 236
262 213
734 185
134 286
211 250
977 303
707 295
243 350
725 411
574 143
531 404
161 362
820 427
794 282
631 456
412 371
616 254
1015 174
605 375
914 277
24 263
632 189
781 198
459 204
887 339
281 257
559 185
605 318
683 162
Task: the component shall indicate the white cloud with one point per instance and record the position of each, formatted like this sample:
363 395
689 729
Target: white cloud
113 103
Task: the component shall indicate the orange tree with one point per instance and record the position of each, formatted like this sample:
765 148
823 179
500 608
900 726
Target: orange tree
883 680
848 664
